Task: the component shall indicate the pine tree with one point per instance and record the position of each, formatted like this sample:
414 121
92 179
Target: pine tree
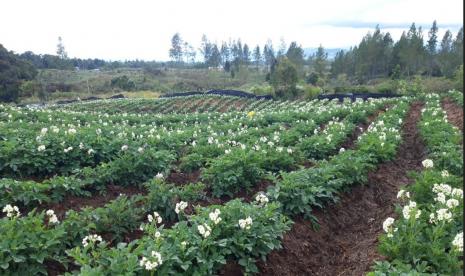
61 52
320 62
445 54
268 54
206 49
215 57
257 56
431 46
225 53
432 39
295 54
246 54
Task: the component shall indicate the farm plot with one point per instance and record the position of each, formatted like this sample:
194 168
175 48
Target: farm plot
123 190
188 104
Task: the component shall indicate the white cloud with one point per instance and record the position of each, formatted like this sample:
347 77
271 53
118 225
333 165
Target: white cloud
143 29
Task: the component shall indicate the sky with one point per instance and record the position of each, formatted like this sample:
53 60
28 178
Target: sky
142 29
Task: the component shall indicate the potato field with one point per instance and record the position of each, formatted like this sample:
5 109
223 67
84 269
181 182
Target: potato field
222 185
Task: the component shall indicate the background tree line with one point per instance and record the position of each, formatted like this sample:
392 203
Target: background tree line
284 71
377 55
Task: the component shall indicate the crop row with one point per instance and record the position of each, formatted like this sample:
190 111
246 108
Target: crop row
457 96
427 238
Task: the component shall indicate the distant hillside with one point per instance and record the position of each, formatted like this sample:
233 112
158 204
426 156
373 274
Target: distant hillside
331 51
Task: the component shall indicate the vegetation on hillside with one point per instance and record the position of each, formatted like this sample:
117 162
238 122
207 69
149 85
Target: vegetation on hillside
377 64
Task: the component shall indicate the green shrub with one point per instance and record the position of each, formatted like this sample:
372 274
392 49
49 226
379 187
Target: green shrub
239 170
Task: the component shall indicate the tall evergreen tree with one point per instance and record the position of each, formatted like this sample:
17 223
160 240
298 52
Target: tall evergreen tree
257 56
224 52
457 50
175 51
215 57
246 54
431 46
295 54
205 49
320 61
432 39
445 55
61 52
268 54
338 64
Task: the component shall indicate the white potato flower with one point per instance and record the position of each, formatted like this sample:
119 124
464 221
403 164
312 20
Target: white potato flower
215 216
261 198
411 209
458 242
427 163
204 230
11 211
52 218
452 203
245 223
180 206
153 263
403 194
445 173
91 238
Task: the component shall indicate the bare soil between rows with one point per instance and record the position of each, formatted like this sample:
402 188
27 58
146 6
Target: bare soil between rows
347 239
96 200
454 112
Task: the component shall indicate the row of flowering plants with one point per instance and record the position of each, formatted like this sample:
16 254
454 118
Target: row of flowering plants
30 241
427 236
302 190
199 244
457 96
132 168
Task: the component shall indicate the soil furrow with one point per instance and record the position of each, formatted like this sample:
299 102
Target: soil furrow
454 112
346 241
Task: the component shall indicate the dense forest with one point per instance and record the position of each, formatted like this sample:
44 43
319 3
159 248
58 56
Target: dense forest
284 70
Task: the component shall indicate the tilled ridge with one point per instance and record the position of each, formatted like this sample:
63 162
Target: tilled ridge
347 239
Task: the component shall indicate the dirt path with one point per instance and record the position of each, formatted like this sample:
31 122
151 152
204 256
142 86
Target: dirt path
454 112
346 242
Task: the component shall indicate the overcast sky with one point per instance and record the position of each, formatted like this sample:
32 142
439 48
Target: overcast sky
142 29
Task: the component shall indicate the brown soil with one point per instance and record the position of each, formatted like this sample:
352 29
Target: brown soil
307 164
454 112
346 241
183 178
76 203
54 268
261 186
